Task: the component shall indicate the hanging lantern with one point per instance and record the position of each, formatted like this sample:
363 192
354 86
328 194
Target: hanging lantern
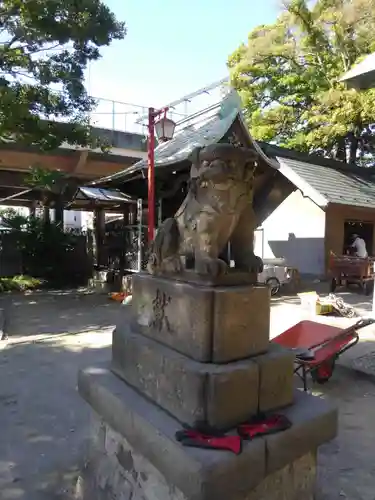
164 129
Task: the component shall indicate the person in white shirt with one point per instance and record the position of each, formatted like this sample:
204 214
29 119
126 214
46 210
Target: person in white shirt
360 246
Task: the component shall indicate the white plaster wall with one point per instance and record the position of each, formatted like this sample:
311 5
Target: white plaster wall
72 219
294 231
78 219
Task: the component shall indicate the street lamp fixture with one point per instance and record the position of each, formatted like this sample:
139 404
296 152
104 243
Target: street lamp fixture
164 129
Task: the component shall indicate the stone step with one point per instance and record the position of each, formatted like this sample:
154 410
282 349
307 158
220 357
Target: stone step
221 395
207 323
132 450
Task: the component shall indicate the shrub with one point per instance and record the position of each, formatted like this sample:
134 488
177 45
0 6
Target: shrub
46 249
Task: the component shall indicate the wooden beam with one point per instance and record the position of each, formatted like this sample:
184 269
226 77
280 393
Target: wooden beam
15 195
97 165
12 179
16 192
17 203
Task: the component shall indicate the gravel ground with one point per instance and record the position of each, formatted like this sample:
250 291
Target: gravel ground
346 465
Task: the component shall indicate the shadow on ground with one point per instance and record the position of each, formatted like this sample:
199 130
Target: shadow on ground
43 419
58 312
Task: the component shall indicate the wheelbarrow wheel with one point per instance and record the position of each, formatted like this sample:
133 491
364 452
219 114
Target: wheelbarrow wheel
368 287
274 285
323 372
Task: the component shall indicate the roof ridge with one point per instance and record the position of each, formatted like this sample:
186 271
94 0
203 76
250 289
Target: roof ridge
273 150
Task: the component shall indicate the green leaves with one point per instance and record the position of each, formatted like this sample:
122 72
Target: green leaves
288 77
49 180
46 46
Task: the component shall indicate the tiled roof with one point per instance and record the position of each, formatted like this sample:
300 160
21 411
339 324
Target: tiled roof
337 185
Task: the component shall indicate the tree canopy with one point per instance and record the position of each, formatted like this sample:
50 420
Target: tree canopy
288 77
45 47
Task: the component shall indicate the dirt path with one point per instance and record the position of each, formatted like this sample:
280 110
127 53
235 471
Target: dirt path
58 312
43 420
347 466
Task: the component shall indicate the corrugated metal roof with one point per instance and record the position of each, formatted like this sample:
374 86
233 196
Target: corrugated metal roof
336 185
5 226
179 148
361 75
102 195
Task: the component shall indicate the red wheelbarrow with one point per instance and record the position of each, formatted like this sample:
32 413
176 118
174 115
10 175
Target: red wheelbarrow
317 346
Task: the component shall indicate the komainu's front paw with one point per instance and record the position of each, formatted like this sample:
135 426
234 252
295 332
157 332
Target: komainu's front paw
250 263
172 265
152 264
210 267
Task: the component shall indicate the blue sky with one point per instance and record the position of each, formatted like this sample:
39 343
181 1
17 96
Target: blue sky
173 47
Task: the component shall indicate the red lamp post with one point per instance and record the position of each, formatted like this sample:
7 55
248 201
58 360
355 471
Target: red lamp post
164 128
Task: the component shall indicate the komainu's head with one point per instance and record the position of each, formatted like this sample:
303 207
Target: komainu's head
219 162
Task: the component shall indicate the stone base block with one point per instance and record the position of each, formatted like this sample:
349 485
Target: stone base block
276 381
134 454
208 323
115 470
233 277
222 395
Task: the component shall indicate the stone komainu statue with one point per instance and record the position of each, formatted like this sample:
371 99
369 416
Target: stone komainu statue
217 209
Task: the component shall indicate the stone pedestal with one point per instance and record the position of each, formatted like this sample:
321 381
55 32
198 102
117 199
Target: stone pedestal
215 324
198 352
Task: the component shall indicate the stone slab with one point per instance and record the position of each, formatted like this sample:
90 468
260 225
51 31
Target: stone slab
311 428
176 314
114 469
199 474
276 381
221 395
241 322
295 481
209 324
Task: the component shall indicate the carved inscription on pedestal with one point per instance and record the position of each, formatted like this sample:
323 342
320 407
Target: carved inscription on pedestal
159 319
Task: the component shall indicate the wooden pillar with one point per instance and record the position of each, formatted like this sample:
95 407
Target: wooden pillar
46 216
125 223
99 233
59 212
32 209
132 217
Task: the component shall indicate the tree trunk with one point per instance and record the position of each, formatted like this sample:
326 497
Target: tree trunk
353 148
341 150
